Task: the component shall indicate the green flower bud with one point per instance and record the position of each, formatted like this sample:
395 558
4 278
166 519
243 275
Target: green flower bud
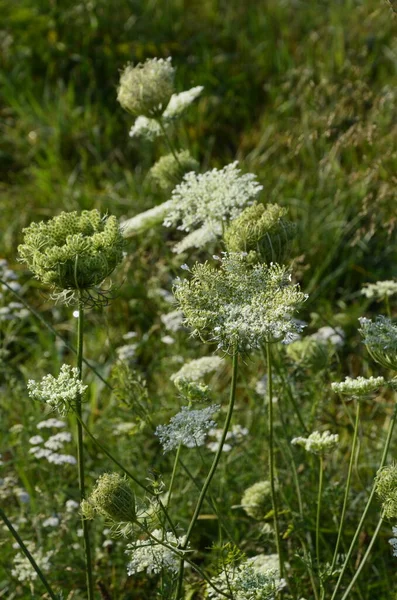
262 230
146 89
73 251
256 500
386 488
112 498
167 172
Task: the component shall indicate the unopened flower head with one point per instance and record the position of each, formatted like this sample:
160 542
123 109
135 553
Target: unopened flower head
256 500
188 427
309 353
73 251
147 555
263 231
247 582
113 498
380 289
167 172
318 443
360 386
380 338
146 89
386 488
393 541
211 198
59 393
238 305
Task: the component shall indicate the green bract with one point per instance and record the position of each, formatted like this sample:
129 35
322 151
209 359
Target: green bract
238 305
73 251
113 498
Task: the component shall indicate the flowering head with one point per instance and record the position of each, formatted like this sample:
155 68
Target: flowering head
318 443
240 306
59 393
167 172
73 251
188 427
263 231
113 498
146 89
380 338
358 387
386 488
380 289
152 557
256 500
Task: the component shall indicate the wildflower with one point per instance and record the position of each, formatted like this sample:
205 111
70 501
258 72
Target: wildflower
71 506
61 459
167 339
380 289
247 582
113 498
61 393
49 423
146 220
167 172
22 568
240 306
57 441
197 369
172 320
312 353
146 89
386 488
256 500
36 439
358 387
188 427
147 555
126 352
380 338
234 436
393 541
263 231
332 335
72 252
51 522
318 443
196 391
198 238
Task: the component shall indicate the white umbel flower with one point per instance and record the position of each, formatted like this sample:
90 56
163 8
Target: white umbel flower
148 556
198 238
393 541
380 289
358 387
197 369
59 393
145 220
22 568
247 581
188 427
318 443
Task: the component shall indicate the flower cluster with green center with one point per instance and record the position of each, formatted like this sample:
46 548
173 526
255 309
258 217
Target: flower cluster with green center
59 393
318 443
73 251
188 379
380 338
386 488
188 427
152 557
359 386
246 582
239 306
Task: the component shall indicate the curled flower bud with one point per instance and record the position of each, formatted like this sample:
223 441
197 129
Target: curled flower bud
380 338
262 230
113 498
167 172
359 386
256 500
146 89
386 488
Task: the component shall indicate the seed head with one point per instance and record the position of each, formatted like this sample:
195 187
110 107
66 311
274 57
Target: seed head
386 488
113 498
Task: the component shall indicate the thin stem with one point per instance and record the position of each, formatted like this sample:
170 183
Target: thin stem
364 560
80 454
347 489
271 458
168 141
28 555
319 497
212 469
290 395
369 501
173 475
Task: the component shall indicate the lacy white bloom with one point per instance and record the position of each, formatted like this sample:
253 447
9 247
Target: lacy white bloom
126 352
211 197
359 386
198 238
247 582
233 437
173 321
36 439
51 522
188 427
61 393
380 289
197 369
61 459
23 570
57 441
145 128
241 306
71 506
380 337
333 335
393 541
148 556
146 220
318 443
49 423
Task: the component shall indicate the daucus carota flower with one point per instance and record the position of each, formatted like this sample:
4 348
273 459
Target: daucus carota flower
22 568
393 541
309 353
380 289
59 393
360 386
188 427
197 369
256 500
331 335
198 238
380 338
234 436
146 220
238 305
318 443
73 251
146 89
152 557
167 172
113 498
263 231
211 198
246 582
386 488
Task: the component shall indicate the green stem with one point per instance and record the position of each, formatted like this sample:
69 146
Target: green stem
347 489
364 560
369 501
173 475
168 141
271 458
290 395
28 555
212 469
80 454
319 497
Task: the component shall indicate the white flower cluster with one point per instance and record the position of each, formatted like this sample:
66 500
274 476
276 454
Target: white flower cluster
241 306
23 570
318 443
247 582
380 289
332 335
393 541
380 337
150 129
148 556
233 437
172 321
197 369
9 488
59 393
49 423
146 220
10 311
188 427
198 238
49 449
359 386
211 198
